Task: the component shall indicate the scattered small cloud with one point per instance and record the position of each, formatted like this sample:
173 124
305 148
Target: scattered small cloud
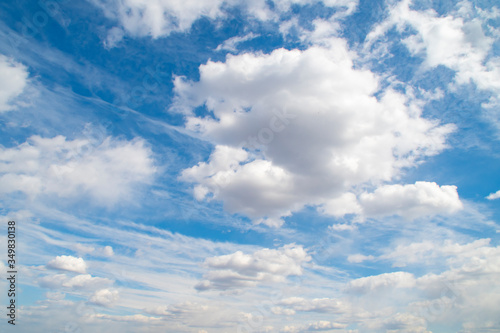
239 270
68 263
494 196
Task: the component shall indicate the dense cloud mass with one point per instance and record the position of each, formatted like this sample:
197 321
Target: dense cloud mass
295 128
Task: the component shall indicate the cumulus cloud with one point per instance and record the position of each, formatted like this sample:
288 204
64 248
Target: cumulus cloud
448 40
68 263
104 297
412 200
78 282
295 128
87 281
13 81
409 201
461 40
238 270
159 18
105 171
494 196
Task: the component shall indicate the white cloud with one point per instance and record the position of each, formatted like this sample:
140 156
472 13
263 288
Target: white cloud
412 200
157 18
421 252
461 40
295 128
86 281
78 282
347 203
322 325
342 227
381 282
104 297
231 43
320 305
115 35
278 310
13 81
106 251
177 310
358 258
84 249
106 171
401 323
239 270
55 296
494 196
137 318
68 263
465 291
52 281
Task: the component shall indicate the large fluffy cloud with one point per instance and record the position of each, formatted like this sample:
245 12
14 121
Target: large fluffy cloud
295 128
239 270
13 80
106 171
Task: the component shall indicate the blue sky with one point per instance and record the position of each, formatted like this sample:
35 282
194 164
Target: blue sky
264 166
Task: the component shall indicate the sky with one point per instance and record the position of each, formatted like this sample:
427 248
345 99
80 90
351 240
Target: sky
251 166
